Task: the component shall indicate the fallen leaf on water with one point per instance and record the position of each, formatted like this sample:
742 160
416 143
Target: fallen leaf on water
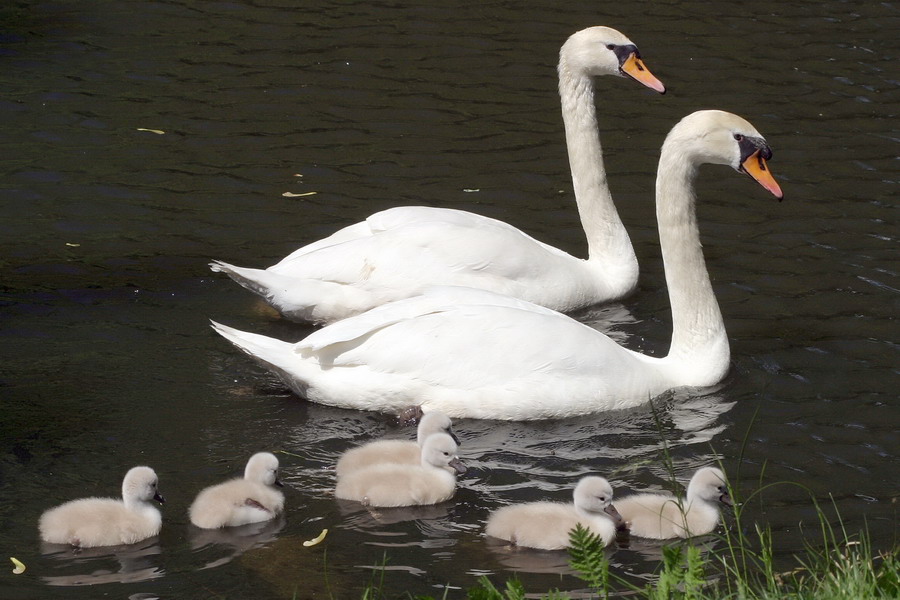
20 566
293 195
316 540
156 131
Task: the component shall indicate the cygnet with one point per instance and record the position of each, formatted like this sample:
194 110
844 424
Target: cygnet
394 484
546 525
241 501
396 451
663 516
91 522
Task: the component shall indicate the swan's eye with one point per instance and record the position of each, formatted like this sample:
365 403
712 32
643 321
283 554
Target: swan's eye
610 46
738 137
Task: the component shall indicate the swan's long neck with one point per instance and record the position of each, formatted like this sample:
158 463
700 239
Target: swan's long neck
699 353
608 242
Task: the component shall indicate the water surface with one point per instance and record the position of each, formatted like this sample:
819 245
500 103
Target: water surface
106 230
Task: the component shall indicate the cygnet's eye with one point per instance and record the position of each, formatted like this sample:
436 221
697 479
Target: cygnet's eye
601 498
610 46
738 137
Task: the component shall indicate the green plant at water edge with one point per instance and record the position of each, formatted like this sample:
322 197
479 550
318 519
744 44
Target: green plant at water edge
586 556
683 575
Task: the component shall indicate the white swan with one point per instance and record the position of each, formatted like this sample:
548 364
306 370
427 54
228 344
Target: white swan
546 525
398 252
395 451
662 516
471 353
251 499
91 522
391 484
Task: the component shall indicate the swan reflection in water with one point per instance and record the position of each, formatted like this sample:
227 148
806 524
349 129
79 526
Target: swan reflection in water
235 540
135 563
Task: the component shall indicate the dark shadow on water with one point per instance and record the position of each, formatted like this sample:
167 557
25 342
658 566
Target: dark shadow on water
110 564
233 540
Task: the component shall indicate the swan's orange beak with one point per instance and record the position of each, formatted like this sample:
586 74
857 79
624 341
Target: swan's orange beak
634 67
755 166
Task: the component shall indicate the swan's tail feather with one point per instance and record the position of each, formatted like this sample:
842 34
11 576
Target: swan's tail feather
269 351
257 281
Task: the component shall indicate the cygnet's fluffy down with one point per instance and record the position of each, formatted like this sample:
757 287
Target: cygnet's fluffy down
546 525
91 522
396 451
241 501
393 484
662 516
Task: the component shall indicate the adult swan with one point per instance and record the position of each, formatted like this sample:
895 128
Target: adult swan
398 252
471 353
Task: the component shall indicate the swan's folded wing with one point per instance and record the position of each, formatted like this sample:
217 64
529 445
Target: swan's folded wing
476 347
404 249
432 300
380 223
346 234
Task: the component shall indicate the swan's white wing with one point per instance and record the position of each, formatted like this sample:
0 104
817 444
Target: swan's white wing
380 222
473 347
432 300
402 248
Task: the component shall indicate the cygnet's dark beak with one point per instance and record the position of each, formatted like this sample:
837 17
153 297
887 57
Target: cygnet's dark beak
725 499
457 466
159 498
616 517
278 483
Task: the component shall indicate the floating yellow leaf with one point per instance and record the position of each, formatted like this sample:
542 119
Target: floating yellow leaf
293 195
316 540
20 566
156 131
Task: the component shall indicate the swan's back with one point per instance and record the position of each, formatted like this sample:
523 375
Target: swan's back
378 452
91 522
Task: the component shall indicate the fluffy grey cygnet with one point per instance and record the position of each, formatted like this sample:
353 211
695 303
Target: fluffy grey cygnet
663 516
396 451
91 522
240 501
546 525
392 484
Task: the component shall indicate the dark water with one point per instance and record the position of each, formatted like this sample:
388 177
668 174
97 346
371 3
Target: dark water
107 359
